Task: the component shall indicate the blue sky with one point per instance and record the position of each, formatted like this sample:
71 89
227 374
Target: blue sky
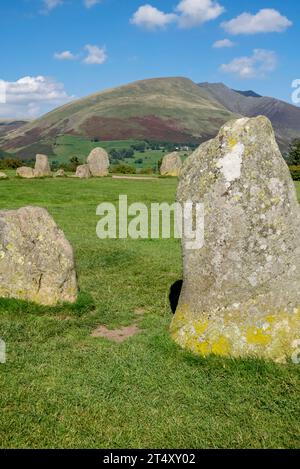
71 48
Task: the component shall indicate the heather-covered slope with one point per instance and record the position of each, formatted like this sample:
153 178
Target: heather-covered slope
160 109
163 109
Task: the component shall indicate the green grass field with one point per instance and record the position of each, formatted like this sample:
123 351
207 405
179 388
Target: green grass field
61 387
67 146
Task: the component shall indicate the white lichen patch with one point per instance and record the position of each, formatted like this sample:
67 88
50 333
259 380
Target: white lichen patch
230 165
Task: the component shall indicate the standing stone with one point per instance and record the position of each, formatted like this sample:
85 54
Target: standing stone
25 172
98 162
241 291
3 176
60 173
36 260
171 165
42 166
83 172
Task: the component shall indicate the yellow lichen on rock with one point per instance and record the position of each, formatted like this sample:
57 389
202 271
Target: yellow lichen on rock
270 337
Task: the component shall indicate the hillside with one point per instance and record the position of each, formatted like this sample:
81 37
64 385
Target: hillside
284 117
7 126
164 109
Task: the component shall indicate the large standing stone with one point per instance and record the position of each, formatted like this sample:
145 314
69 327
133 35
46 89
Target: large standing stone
36 260
241 291
98 162
83 171
25 172
171 165
42 166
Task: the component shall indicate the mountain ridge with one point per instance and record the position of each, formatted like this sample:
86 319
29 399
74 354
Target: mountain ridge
285 117
171 109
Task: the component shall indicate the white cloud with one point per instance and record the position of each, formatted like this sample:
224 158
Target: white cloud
195 12
149 17
29 97
188 13
266 20
91 3
51 4
223 43
65 55
96 55
255 66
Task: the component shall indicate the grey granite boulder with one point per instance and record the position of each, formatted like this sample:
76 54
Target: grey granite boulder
36 259
60 173
42 166
241 290
171 165
83 172
25 172
98 162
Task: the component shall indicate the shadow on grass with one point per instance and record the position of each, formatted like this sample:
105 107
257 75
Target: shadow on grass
83 305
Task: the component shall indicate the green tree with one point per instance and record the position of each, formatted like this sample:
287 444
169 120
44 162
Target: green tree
10 163
74 162
293 156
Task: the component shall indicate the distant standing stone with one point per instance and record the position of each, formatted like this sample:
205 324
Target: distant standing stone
98 162
42 166
171 165
36 259
3 176
60 173
25 172
241 291
83 172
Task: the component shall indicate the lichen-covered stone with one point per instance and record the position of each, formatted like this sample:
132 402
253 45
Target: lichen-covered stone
42 166
36 259
98 162
25 172
171 165
60 173
83 172
241 291
3 176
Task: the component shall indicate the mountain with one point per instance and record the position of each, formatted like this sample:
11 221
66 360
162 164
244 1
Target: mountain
163 109
284 117
160 109
248 93
7 126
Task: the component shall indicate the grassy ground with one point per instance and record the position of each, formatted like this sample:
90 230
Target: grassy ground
61 387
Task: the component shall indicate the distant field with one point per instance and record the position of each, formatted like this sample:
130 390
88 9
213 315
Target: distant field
61 387
68 146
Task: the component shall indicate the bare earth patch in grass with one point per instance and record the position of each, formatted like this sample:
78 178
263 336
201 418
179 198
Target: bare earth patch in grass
116 335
